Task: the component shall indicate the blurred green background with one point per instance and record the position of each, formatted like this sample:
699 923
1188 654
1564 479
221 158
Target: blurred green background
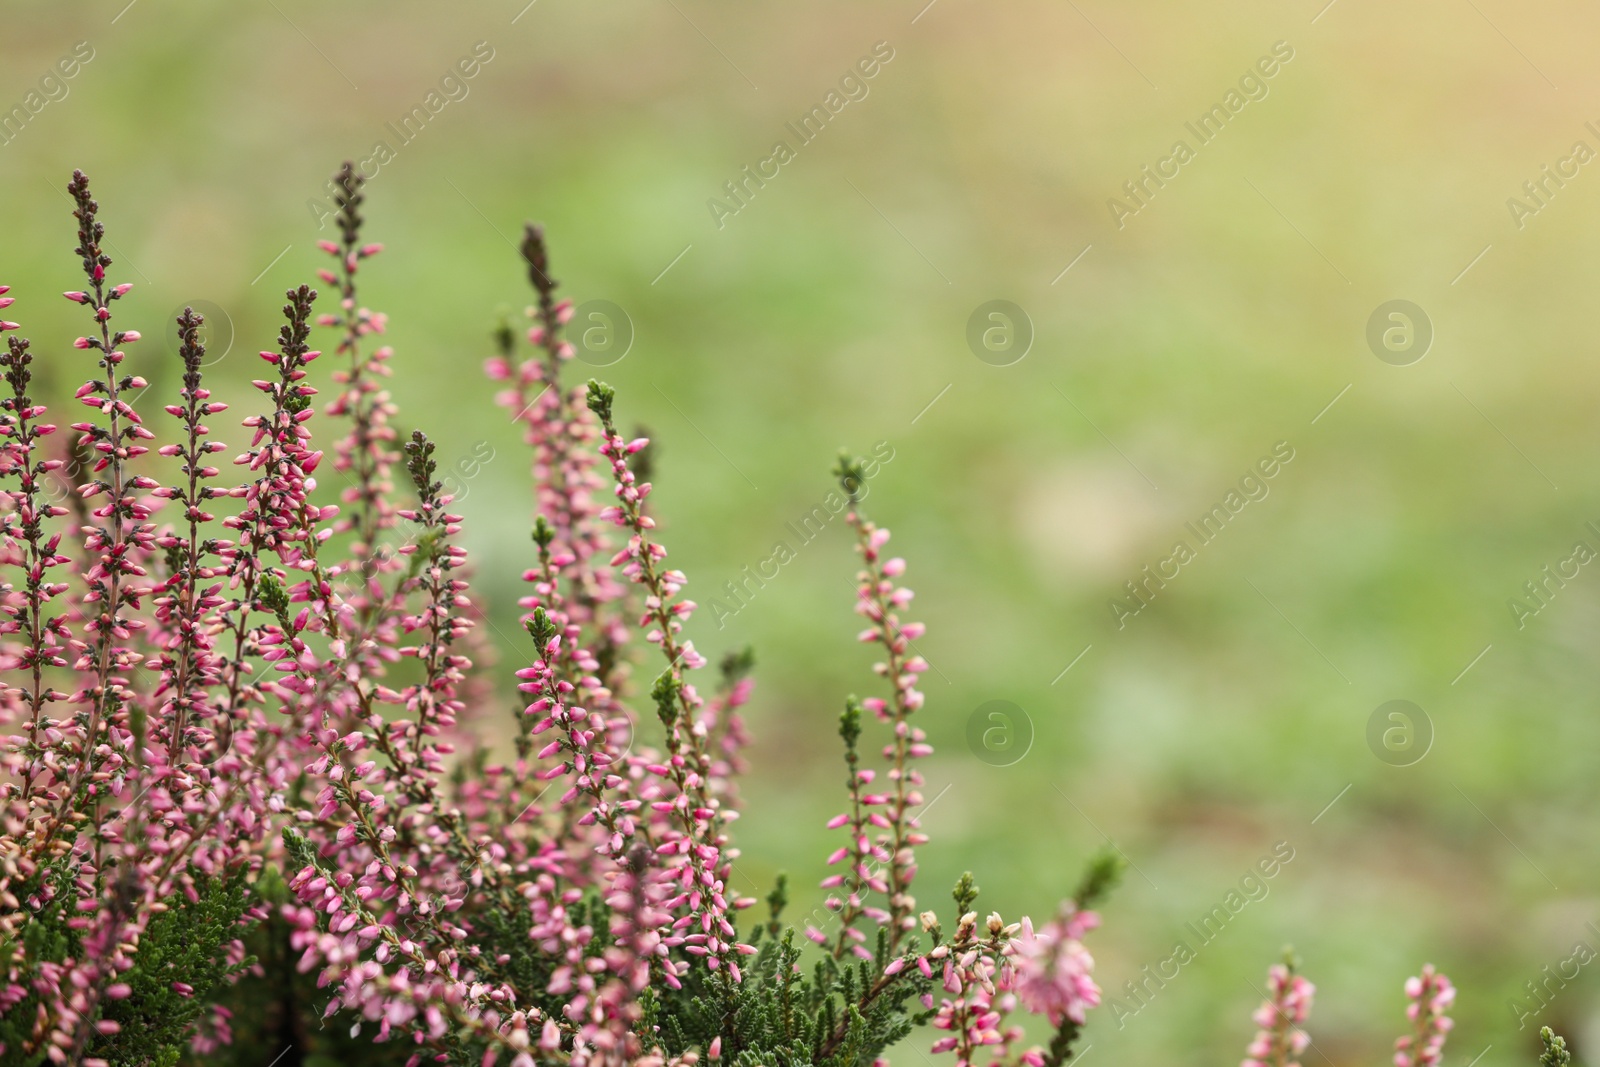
1177 351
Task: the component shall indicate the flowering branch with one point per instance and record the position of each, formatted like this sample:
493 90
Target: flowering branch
365 452
189 665
879 600
676 703
115 547
1430 995
860 851
1279 1041
44 636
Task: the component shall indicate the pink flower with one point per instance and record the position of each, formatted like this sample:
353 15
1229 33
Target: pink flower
1053 976
1279 1041
1431 994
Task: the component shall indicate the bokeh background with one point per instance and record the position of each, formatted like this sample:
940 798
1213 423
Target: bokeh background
1168 355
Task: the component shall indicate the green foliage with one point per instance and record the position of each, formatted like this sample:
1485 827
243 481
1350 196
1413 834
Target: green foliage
600 400
273 598
852 475
540 628
278 1010
1061 1047
665 694
965 893
777 900
184 945
844 1015
1555 1052
737 664
45 939
543 533
1099 878
850 727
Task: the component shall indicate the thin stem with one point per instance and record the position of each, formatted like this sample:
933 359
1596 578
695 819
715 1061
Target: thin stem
27 524
874 585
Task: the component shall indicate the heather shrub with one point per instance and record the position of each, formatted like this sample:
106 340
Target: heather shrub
246 781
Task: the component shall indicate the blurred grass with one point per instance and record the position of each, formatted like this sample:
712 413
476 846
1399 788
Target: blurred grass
1219 321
